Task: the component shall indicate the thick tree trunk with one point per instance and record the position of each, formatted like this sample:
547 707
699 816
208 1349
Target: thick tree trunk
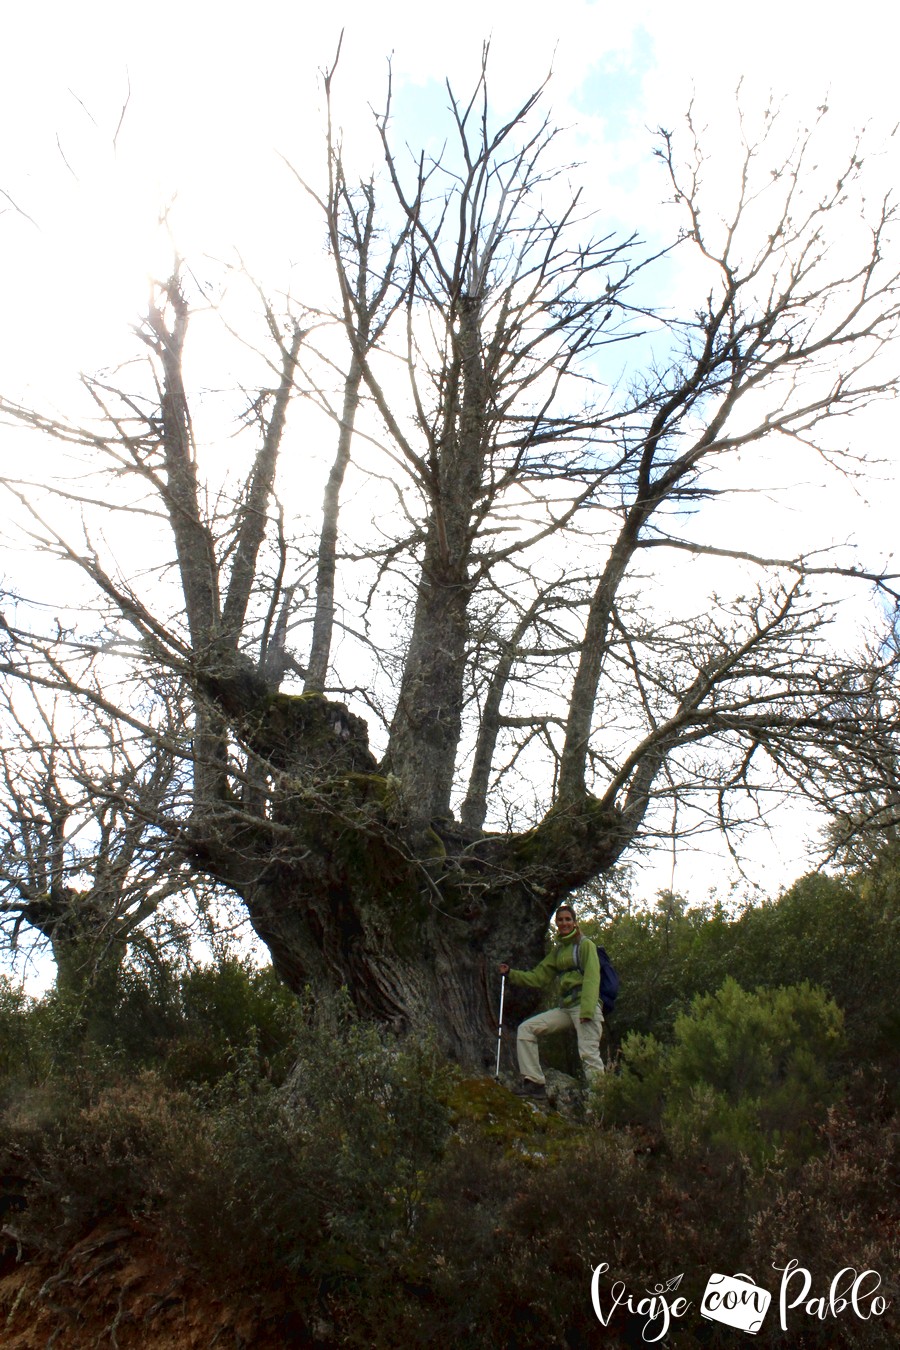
88 954
416 942
87 972
410 971
348 887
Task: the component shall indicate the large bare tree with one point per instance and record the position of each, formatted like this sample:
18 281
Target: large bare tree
510 628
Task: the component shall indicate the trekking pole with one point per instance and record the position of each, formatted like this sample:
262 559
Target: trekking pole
500 1025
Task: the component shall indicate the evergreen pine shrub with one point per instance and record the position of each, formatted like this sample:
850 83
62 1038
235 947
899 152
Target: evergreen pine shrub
746 1074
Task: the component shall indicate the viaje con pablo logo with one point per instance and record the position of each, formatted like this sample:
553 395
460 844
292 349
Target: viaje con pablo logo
737 1302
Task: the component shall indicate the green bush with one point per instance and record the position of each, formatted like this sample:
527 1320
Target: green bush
41 1039
231 1012
746 1074
841 934
16 1043
192 1024
322 1178
664 957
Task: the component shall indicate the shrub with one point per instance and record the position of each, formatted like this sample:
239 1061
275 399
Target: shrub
17 1045
231 1012
746 1074
376 1200
841 934
108 1155
193 1025
320 1180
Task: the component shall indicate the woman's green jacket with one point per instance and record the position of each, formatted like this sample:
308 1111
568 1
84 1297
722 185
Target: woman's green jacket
575 986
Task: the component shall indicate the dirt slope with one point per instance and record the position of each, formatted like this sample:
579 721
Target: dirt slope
115 1288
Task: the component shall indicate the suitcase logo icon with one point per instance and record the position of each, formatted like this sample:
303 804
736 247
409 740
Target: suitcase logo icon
735 1301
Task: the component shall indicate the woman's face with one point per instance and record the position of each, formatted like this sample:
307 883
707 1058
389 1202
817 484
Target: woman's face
565 922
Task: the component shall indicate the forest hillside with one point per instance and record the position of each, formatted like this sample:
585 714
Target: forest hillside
201 1158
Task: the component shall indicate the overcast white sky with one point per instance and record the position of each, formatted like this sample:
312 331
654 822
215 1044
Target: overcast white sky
218 92
215 95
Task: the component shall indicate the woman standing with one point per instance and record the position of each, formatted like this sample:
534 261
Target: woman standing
573 962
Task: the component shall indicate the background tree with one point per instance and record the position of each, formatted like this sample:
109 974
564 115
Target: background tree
87 856
533 695
864 830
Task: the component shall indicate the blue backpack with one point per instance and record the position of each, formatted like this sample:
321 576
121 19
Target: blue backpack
609 977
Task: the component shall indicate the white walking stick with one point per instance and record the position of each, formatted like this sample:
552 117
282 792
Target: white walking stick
500 1026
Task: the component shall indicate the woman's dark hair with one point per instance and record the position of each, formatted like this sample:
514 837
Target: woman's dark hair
569 908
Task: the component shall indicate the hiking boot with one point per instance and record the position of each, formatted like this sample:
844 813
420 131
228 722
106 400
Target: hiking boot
527 1088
